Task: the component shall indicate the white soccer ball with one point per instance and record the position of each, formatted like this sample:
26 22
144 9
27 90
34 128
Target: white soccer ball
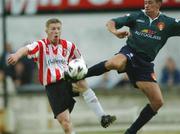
77 69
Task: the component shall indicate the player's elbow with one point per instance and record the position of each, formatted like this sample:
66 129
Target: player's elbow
110 24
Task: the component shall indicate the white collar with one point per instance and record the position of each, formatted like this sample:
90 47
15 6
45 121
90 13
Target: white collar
150 17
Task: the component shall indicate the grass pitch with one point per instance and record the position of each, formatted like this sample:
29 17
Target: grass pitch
122 132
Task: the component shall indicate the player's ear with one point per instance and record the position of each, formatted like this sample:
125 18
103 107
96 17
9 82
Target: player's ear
159 4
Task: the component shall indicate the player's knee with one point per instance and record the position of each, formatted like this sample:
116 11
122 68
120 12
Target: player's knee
160 103
66 124
157 104
113 64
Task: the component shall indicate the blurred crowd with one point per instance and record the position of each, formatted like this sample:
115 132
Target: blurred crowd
18 75
23 73
170 75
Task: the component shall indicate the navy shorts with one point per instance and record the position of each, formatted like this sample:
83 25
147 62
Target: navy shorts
60 96
137 68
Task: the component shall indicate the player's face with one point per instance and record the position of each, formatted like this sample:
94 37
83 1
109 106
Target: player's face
151 7
53 32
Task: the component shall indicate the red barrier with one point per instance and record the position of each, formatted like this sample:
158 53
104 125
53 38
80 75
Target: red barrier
35 6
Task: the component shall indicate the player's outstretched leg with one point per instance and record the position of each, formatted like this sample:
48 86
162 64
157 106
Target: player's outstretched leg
97 70
107 120
146 114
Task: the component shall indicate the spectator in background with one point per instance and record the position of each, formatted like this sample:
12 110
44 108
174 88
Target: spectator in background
23 72
170 75
8 69
29 68
19 74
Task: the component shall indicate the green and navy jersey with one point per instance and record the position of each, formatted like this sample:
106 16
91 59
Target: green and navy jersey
148 36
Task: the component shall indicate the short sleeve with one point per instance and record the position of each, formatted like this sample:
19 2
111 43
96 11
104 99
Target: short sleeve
126 20
33 51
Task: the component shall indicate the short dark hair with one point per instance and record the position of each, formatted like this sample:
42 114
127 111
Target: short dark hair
53 20
159 1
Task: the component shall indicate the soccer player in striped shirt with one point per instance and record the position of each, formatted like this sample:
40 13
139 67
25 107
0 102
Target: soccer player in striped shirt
52 55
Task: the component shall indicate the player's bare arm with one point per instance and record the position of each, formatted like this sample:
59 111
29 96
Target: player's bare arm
120 34
13 58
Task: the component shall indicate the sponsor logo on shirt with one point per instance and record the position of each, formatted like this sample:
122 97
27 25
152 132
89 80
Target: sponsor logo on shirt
148 33
161 25
55 61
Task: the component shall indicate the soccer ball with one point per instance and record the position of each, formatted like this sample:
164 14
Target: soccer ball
77 69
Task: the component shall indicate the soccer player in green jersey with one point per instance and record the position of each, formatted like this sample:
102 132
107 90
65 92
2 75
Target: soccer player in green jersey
149 30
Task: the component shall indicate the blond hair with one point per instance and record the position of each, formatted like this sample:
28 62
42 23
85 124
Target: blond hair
53 20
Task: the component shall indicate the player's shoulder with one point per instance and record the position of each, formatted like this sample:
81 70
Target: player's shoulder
67 42
44 41
37 42
133 13
168 18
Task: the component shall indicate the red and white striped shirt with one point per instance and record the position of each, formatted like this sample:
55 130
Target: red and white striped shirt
52 60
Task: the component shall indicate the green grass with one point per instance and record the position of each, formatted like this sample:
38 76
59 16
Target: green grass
162 132
122 132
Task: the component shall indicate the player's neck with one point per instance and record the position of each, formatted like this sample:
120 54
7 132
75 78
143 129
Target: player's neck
154 14
54 42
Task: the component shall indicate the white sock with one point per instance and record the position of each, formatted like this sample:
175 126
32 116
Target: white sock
73 132
92 101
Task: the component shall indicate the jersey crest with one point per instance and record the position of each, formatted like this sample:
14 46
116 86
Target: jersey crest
161 25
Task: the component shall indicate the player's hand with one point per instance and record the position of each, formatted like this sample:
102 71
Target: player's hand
80 86
122 34
13 58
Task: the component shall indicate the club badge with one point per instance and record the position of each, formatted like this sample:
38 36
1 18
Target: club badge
161 26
